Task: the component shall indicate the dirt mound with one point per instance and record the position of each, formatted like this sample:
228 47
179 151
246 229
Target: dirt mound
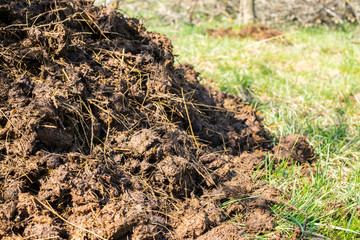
258 32
101 136
222 32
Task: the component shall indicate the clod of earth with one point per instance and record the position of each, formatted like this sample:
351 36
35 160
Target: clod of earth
101 136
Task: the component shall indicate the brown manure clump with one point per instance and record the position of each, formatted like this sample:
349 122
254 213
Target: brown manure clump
102 137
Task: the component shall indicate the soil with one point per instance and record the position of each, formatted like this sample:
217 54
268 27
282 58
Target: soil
102 137
258 32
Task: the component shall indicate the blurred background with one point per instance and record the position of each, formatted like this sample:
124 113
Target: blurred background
302 12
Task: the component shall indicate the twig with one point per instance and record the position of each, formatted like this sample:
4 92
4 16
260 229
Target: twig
312 234
7 128
268 39
48 207
356 98
334 15
101 32
187 114
332 230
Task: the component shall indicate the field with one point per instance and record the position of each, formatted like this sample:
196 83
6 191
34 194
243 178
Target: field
206 131
310 87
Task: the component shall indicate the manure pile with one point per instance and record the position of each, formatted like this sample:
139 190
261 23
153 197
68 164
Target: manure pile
102 137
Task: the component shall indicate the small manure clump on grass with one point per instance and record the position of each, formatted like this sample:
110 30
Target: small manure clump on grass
102 137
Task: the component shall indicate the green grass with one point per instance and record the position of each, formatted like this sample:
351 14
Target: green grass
305 88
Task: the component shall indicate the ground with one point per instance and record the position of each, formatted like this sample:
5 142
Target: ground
105 133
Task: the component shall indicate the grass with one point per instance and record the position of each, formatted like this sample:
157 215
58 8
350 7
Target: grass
305 88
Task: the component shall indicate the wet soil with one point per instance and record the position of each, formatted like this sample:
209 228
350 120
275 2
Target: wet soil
102 137
258 32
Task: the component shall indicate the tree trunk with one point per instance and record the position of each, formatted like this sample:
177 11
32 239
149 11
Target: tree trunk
247 11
